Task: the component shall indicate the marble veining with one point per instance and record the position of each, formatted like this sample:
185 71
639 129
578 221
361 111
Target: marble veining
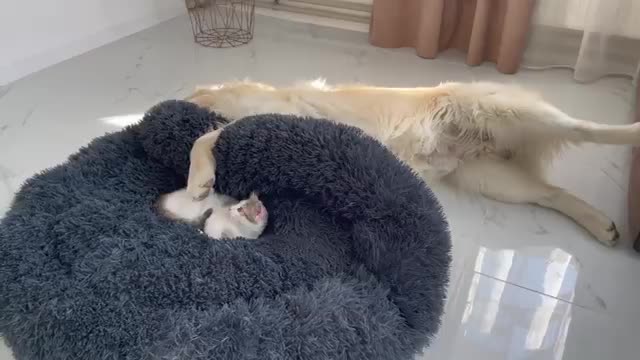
526 283
4 90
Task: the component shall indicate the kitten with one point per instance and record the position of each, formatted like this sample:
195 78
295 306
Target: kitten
219 216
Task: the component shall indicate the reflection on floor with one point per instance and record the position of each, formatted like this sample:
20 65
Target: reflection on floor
526 282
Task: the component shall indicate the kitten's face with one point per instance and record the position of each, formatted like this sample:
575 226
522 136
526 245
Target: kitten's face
250 211
246 219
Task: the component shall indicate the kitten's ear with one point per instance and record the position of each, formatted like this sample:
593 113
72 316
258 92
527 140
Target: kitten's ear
253 196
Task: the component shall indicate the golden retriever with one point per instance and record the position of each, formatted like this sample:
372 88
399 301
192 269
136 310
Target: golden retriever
489 138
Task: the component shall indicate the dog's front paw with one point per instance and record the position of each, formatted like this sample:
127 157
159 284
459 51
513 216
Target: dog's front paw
202 177
608 235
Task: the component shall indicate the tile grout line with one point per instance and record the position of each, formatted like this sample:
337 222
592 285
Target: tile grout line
540 293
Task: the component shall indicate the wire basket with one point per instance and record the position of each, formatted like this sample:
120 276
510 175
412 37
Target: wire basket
221 23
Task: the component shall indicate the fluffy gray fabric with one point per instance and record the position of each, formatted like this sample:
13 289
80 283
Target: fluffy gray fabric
353 265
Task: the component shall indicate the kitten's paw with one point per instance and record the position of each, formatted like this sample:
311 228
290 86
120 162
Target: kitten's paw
202 177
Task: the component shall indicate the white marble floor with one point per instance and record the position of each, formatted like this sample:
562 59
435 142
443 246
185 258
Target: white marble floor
526 283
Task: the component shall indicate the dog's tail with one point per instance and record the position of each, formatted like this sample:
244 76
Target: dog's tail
580 131
591 132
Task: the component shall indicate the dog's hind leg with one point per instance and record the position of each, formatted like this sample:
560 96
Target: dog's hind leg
503 181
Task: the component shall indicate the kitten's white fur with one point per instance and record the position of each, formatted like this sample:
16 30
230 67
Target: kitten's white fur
225 222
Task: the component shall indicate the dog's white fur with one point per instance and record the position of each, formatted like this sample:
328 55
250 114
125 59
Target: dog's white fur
489 138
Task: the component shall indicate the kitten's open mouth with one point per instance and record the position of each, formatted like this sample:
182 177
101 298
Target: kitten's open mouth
259 210
255 212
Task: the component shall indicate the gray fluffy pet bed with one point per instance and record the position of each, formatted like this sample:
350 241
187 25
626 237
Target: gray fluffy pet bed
353 265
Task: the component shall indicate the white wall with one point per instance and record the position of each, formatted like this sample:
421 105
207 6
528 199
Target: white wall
37 34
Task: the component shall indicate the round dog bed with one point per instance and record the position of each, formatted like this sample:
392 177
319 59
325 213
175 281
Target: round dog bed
353 264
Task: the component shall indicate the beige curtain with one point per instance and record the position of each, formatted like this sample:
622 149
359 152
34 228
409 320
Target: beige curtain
493 30
594 37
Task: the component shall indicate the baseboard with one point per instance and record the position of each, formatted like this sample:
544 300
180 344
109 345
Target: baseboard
313 19
331 9
562 46
32 64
